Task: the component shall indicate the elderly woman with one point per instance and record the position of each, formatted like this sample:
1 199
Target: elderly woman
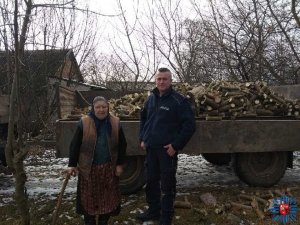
97 153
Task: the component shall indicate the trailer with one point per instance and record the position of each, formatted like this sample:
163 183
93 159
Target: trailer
259 150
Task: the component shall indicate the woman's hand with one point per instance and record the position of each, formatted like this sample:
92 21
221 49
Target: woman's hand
72 171
143 146
119 170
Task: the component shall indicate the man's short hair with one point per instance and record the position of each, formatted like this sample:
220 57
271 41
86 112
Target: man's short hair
164 69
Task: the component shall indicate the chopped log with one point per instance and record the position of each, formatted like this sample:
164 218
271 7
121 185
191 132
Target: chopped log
256 208
213 118
234 219
268 195
233 94
248 84
278 192
218 210
209 95
239 109
290 189
197 92
183 204
278 99
248 197
225 108
209 101
264 112
213 113
229 88
256 102
241 206
218 99
209 108
201 211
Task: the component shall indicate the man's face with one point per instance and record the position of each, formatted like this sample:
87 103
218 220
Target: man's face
163 81
101 109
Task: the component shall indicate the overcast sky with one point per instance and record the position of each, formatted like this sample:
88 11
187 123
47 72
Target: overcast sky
111 27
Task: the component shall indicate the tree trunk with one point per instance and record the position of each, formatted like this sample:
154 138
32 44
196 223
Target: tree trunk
15 151
21 195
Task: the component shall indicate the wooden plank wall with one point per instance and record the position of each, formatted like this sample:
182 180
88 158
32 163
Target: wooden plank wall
66 102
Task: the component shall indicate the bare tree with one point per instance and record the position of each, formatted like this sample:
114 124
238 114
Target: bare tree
73 28
15 151
96 68
132 48
295 14
255 41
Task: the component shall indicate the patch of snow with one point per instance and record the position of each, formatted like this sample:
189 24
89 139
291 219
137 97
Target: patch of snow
136 211
45 178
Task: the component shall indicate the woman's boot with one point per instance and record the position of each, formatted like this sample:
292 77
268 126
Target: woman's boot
89 220
103 219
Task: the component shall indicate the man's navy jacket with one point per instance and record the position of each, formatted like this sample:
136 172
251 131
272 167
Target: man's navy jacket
166 119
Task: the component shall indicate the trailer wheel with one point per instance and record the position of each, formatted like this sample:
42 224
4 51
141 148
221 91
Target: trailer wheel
263 169
133 179
217 158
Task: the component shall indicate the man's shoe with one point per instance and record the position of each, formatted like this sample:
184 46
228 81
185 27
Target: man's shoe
146 216
103 222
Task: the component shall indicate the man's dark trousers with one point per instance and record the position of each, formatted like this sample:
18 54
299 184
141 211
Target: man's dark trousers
161 180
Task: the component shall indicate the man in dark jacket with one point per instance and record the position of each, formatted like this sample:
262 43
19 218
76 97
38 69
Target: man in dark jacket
167 124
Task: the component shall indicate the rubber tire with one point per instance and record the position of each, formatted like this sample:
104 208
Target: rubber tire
260 169
132 180
217 158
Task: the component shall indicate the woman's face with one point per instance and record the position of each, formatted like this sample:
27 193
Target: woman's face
101 109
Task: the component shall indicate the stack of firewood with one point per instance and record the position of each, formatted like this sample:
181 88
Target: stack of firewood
231 99
129 105
216 101
219 100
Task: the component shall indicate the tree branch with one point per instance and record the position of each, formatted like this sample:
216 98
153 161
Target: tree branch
294 13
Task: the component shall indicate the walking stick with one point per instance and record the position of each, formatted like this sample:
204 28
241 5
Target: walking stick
55 213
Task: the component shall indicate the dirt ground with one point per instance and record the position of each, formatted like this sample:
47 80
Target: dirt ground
219 214
222 205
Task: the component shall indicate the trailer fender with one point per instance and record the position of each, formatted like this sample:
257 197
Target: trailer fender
217 158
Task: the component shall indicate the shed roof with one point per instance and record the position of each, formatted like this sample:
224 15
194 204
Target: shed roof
45 62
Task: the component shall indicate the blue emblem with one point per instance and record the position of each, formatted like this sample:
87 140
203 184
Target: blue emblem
284 209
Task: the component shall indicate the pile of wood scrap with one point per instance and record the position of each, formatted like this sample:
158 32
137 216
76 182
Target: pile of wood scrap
259 202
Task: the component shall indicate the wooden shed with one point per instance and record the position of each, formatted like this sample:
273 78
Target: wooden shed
42 72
